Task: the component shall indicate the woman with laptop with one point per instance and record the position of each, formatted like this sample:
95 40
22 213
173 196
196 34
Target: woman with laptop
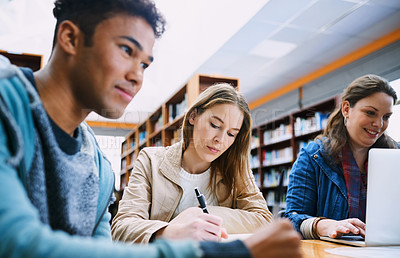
160 200
328 181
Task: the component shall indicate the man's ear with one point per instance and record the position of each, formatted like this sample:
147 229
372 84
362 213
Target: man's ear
68 37
192 116
345 108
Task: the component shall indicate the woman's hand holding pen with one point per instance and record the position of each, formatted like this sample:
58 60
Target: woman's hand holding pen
195 224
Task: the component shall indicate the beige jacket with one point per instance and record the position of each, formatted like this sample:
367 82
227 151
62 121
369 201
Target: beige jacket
153 193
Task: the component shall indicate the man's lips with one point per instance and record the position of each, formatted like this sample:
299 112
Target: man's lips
127 92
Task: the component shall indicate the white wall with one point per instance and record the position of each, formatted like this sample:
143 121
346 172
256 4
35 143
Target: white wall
195 31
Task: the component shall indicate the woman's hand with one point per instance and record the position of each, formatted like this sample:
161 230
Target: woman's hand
193 223
336 228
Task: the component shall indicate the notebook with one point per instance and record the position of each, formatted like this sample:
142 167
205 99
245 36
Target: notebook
383 203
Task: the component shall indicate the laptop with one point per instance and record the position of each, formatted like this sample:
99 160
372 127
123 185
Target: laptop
383 203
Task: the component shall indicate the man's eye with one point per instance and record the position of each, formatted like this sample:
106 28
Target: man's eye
127 49
386 118
144 65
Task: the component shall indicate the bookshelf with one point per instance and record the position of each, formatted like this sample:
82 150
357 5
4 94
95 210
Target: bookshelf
24 60
162 127
275 145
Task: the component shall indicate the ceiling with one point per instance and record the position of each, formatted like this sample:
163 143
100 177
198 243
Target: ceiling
287 40
266 44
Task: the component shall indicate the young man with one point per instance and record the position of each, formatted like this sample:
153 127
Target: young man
55 184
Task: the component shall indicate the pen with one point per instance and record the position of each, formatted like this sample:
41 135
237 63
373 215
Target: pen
201 199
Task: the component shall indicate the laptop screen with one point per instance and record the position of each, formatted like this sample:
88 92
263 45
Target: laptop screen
383 198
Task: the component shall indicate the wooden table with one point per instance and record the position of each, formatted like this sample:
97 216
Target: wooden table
316 248
309 248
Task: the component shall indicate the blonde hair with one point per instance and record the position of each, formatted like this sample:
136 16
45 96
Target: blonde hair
234 162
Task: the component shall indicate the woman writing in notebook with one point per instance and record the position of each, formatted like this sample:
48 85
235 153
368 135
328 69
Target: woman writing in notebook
328 182
213 155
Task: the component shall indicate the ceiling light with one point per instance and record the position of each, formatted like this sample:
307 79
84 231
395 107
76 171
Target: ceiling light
273 48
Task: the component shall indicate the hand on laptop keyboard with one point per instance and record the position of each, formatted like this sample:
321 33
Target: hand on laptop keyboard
352 237
337 228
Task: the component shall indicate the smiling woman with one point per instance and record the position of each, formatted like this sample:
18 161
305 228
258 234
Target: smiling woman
327 186
214 156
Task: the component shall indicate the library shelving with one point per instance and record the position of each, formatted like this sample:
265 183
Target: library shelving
276 144
162 127
24 60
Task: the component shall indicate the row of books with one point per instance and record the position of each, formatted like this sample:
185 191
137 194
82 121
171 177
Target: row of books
257 179
177 109
158 124
271 200
124 161
272 157
254 161
124 146
255 141
142 137
132 143
284 131
286 173
123 164
275 157
281 133
302 144
272 176
310 124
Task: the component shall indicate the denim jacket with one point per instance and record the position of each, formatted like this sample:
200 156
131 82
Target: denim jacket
317 187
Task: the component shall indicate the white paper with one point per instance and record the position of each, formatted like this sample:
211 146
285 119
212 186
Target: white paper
366 252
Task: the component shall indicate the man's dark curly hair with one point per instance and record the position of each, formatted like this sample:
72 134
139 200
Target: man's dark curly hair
87 14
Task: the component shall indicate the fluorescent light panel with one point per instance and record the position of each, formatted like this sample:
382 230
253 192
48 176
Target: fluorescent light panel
273 49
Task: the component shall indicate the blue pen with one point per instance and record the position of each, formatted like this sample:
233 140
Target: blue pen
201 199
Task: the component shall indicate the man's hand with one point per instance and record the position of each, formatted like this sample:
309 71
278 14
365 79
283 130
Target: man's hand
279 239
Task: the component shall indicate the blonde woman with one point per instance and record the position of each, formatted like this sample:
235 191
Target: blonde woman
213 155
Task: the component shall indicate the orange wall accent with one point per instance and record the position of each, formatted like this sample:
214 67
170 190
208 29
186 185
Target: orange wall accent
368 49
111 125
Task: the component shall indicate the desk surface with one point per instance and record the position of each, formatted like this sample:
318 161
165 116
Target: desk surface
309 248
316 248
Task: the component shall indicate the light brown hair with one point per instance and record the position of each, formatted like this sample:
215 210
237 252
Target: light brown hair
234 162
